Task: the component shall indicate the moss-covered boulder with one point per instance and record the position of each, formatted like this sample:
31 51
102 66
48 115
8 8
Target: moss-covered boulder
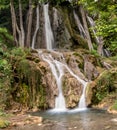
102 91
34 85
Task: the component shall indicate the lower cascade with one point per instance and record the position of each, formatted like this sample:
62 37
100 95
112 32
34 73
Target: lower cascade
57 71
59 68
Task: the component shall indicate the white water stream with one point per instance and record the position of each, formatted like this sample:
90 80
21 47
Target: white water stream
79 25
92 24
58 68
48 30
82 103
57 71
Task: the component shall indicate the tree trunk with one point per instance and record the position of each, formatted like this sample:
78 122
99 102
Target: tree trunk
28 37
86 28
100 47
14 23
37 27
21 25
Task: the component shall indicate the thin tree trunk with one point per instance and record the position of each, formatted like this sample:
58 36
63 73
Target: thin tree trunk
36 28
86 28
14 23
100 47
28 37
21 25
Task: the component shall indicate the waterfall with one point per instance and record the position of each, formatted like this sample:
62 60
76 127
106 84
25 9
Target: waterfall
82 103
79 25
57 71
48 30
58 68
92 24
58 64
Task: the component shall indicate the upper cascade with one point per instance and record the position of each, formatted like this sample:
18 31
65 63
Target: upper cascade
53 28
79 25
48 30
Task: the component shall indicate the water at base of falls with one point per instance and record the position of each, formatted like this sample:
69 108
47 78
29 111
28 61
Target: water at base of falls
91 119
55 110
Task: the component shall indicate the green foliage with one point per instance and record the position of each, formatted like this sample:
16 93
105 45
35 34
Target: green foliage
5 76
5 37
95 53
115 105
5 67
105 15
105 85
108 29
4 4
19 52
4 123
23 94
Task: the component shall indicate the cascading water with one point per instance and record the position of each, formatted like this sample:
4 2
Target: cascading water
79 25
57 71
48 30
82 103
58 65
58 68
92 24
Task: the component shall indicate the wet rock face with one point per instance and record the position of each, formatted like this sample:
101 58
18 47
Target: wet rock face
72 90
90 70
50 83
101 92
71 87
36 85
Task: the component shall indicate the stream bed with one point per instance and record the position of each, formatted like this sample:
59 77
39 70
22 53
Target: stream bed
90 119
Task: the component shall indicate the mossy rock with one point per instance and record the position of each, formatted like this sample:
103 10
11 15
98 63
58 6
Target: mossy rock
28 88
78 41
105 84
79 60
64 11
22 94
